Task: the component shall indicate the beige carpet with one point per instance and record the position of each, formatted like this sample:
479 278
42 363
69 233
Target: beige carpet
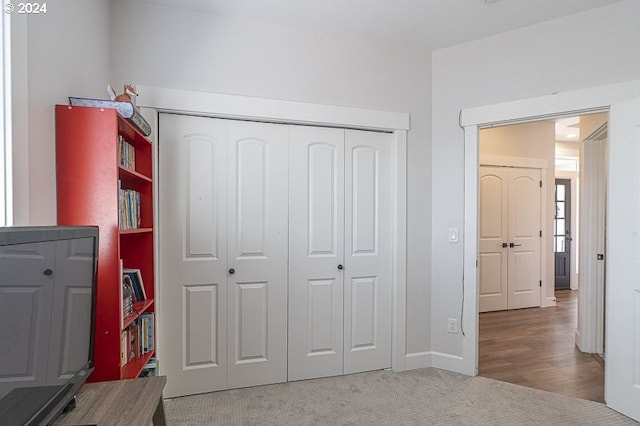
418 397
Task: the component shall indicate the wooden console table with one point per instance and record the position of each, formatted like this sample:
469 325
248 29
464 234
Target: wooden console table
120 402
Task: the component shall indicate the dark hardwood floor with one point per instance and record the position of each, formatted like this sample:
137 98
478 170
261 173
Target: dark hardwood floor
536 348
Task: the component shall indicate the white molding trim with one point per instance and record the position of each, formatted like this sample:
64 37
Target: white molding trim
558 104
436 360
574 103
153 100
6 129
417 360
399 262
273 110
508 161
447 362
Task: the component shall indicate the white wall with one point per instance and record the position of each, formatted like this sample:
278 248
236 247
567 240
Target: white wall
589 49
171 48
58 54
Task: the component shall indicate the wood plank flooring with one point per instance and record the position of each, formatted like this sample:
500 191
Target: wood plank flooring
536 348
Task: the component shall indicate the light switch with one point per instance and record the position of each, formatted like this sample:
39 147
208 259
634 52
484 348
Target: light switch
453 235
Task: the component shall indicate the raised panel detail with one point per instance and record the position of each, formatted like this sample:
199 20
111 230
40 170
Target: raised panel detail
490 273
322 180
18 331
527 200
525 270
251 198
202 218
365 201
363 313
77 327
491 207
321 317
200 307
251 322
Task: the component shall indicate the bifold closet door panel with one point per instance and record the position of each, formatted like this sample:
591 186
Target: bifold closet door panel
192 253
257 253
368 263
316 252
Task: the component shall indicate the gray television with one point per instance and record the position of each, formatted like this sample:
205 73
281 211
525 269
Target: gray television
47 305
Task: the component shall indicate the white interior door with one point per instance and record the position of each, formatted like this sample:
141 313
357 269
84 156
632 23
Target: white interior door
524 238
367 268
192 253
493 228
257 253
509 238
622 373
316 249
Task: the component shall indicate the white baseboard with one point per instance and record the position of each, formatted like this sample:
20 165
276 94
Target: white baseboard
418 360
435 359
548 301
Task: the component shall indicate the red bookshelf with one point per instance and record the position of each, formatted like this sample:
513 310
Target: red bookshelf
89 177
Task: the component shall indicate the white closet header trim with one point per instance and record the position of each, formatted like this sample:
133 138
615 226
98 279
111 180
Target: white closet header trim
245 107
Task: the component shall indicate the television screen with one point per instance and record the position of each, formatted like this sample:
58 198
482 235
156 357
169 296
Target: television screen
47 297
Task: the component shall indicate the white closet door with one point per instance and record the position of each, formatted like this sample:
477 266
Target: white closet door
493 232
192 253
367 268
524 233
257 253
316 249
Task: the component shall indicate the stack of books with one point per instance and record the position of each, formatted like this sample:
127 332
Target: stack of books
127 154
129 209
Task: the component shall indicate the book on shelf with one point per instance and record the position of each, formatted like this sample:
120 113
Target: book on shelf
148 331
127 297
126 153
136 281
128 208
126 109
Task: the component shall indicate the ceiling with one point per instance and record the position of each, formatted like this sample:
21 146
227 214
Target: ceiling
430 23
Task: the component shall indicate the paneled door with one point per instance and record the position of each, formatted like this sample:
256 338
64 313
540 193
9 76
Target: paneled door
493 238
622 372
509 238
257 253
223 253
340 252
367 273
316 252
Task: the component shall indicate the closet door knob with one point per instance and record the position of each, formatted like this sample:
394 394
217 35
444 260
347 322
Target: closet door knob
232 271
47 272
340 267
505 245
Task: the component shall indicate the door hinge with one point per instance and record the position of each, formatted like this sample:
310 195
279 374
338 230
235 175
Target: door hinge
540 234
476 263
540 283
540 184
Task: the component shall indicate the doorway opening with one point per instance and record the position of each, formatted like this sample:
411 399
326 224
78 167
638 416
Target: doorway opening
541 346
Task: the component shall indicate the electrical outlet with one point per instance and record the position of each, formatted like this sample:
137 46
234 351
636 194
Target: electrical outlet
452 325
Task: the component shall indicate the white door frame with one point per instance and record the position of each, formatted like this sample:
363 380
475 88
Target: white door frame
153 100
561 104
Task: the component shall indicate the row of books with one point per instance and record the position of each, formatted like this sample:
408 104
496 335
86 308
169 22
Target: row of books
132 290
138 338
129 209
127 153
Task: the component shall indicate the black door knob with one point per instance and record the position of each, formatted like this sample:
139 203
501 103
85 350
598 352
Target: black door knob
47 272
505 245
340 267
232 271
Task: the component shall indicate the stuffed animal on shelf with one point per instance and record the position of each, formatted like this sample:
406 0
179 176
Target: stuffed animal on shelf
126 95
